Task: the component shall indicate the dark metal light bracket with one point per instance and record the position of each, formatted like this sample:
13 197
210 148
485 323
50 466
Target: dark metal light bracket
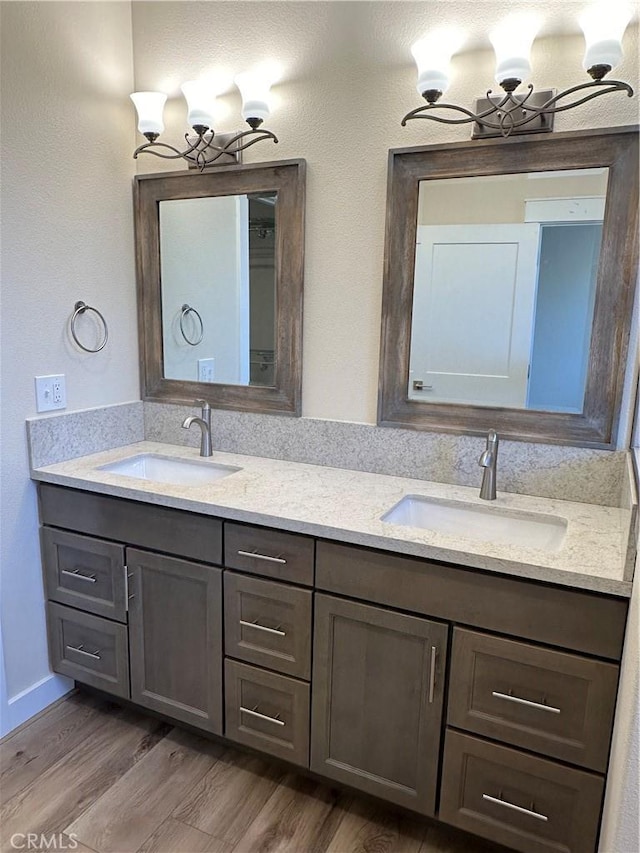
206 149
228 142
539 123
508 114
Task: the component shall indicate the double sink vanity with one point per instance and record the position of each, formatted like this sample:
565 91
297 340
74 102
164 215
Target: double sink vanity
456 657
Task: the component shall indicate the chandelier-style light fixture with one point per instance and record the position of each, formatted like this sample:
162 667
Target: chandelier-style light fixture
524 112
205 148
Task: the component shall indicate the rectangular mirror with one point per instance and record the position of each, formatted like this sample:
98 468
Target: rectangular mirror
217 273
509 278
220 265
504 288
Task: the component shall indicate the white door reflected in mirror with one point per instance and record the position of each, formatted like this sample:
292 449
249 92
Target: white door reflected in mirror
504 289
217 262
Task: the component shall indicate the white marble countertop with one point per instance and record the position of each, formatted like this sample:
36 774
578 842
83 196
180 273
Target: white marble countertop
347 505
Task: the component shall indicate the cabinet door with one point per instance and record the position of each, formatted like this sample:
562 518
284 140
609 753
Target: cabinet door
175 636
377 700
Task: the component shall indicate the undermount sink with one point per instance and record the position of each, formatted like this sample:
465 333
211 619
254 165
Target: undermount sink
486 524
168 469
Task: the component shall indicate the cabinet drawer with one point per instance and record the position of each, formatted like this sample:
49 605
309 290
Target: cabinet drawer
283 556
85 573
527 803
268 623
267 711
572 619
559 704
173 531
88 648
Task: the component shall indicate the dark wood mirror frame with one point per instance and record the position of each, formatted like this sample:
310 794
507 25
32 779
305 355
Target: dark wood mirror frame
615 148
287 178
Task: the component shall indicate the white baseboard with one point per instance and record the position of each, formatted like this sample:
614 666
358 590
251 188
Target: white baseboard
31 701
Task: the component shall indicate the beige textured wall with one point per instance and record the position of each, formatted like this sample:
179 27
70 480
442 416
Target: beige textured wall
67 234
348 80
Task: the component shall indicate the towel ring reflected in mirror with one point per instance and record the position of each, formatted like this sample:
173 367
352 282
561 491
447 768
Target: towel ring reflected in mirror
79 308
186 311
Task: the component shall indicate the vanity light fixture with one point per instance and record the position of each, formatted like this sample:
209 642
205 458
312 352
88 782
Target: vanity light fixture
529 112
203 150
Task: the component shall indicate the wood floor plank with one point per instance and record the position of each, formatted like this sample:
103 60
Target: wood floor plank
230 796
367 828
173 836
122 819
27 754
72 844
446 839
300 815
61 793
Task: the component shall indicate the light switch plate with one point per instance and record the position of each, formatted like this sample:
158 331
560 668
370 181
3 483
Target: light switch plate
51 393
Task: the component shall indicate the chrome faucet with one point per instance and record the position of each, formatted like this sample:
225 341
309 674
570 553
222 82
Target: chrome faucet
205 427
488 462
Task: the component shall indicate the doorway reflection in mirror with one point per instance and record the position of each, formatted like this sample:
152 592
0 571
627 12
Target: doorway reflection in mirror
504 289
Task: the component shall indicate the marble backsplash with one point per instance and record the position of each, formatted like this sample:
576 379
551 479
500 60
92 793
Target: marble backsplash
568 473
66 435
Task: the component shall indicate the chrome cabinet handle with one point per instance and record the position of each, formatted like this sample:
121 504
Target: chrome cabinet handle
263 628
539 705
80 649
77 574
127 577
257 556
508 805
253 713
432 673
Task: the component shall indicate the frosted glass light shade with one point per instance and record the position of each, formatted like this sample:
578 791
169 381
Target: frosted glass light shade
150 106
255 95
603 28
512 42
200 103
433 57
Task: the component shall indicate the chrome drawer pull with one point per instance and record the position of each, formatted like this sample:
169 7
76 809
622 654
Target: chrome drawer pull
432 673
76 574
254 713
263 628
257 556
94 655
539 705
508 805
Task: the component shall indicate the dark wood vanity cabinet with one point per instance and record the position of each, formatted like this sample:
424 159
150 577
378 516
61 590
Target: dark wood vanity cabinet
378 691
175 638
486 701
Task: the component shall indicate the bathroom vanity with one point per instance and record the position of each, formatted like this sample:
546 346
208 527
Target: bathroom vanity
480 691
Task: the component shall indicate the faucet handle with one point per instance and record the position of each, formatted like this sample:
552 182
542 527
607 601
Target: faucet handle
204 404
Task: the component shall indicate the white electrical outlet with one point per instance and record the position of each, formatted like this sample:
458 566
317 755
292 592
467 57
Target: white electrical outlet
51 393
206 369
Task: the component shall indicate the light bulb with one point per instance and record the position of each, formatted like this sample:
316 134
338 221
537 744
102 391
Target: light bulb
603 27
200 103
433 55
150 106
254 89
512 40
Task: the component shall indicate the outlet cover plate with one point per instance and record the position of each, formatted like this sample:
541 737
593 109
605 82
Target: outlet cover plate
51 393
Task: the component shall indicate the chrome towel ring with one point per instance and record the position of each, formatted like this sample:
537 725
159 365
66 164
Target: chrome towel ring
80 307
186 310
